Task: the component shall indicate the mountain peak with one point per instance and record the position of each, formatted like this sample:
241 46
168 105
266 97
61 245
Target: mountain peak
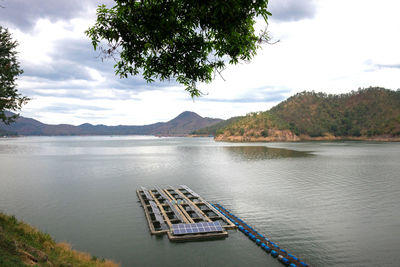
186 115
86 125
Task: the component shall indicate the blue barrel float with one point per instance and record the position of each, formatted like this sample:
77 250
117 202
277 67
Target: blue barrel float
265 243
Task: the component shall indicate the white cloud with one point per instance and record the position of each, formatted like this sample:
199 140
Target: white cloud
338 47
327 53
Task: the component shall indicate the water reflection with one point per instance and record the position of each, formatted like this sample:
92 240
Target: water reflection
263 152
320 208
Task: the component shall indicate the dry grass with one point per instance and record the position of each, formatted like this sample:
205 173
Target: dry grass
35 247
84 258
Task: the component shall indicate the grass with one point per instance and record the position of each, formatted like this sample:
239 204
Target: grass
24 245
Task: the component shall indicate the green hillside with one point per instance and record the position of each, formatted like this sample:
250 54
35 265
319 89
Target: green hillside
367 112
215 129
23 245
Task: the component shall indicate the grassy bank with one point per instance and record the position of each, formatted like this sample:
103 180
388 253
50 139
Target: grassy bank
23 245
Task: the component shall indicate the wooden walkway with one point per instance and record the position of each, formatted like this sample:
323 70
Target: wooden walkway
166 208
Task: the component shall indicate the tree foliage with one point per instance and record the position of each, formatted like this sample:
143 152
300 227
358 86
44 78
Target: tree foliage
186 40
214 129
10 99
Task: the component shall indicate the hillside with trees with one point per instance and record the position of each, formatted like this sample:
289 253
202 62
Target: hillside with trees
370 113
213 129
7 133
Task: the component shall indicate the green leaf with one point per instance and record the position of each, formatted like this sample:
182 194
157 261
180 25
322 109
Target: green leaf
184 40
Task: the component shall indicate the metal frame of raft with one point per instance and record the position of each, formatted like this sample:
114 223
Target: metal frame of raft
171 206
265 243
182 206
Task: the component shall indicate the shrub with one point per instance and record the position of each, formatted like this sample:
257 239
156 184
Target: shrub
264 133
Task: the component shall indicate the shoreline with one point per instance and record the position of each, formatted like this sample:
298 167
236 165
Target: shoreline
302 138
239 139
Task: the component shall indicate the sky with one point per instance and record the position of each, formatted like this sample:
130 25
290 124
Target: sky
332 46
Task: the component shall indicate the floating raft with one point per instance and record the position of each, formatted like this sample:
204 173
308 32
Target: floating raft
265 243
182 214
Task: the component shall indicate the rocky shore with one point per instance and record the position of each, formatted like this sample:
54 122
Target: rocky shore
288 136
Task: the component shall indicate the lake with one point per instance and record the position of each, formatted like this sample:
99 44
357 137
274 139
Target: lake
329 203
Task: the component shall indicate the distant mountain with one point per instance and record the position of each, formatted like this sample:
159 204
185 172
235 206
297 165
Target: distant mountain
7 133
366 114
184 124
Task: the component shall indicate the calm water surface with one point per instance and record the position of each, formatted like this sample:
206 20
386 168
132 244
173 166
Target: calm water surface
331 204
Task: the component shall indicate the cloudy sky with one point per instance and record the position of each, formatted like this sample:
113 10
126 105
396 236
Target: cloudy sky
332 46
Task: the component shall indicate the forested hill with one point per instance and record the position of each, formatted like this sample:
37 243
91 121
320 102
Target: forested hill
368 113
212 130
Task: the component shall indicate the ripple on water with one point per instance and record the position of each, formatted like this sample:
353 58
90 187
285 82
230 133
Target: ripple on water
331 204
